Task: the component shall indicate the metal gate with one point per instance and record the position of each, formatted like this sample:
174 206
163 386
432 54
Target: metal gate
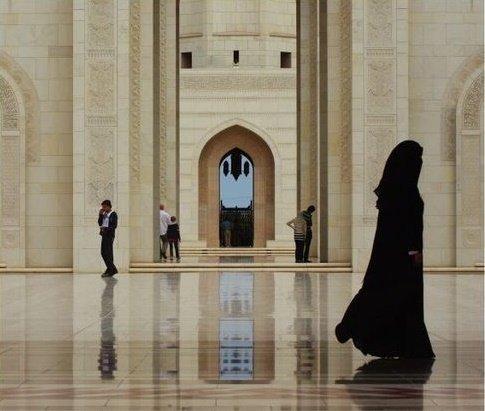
242 225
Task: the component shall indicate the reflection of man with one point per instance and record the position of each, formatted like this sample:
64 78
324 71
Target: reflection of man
107 353
164 222
226 226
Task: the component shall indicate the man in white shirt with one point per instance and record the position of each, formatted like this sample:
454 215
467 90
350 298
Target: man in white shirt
164 222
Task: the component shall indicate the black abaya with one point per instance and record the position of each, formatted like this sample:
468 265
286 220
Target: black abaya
385 318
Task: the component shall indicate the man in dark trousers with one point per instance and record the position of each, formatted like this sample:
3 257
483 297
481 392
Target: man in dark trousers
107 221
307 215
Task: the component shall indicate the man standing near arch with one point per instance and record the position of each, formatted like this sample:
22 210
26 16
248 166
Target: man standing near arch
307 215
164 222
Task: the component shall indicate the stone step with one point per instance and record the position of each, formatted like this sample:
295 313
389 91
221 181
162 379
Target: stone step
238 265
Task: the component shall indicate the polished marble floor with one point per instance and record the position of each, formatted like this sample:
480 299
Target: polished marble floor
224 341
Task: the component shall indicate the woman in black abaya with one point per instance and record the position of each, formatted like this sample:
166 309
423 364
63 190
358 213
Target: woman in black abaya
385 318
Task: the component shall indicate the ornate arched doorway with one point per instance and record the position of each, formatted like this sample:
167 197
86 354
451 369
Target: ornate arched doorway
236 139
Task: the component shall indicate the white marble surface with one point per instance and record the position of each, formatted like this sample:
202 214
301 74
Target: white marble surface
54 329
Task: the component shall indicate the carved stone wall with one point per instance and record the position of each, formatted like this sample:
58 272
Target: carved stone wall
13 161
469 172
380 107
12 171
100 66
449 104
308 133
102 125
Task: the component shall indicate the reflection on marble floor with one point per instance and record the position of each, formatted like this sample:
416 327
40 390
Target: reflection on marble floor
229 341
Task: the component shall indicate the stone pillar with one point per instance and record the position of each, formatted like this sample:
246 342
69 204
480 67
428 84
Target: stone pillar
101 127
380 107
165 109
308 111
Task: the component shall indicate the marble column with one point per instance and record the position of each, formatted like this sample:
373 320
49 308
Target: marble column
379 105
101 127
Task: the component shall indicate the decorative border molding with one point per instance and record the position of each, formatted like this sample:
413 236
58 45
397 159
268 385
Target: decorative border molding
236 34
345 23
239 81
473 104
450 100
30 102
135 92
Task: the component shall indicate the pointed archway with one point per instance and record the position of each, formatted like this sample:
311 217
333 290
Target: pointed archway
236 137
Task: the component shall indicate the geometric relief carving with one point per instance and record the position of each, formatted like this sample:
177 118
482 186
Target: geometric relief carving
100 27
378 144
9 110
473 104
10 238
471 237
381 86
161 77
470 180
135 97
345 91
238 83
379 19
450 99
10 180
29 100
100 87
100 166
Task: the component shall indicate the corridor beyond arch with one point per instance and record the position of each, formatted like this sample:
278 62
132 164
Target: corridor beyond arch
236 137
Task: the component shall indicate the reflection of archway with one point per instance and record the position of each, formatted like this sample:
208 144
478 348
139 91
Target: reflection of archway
211 155
236 323
469 172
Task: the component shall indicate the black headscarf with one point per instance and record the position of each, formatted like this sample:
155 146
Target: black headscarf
399 181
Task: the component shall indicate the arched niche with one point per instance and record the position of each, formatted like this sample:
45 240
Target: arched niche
12 172
469 172
264 183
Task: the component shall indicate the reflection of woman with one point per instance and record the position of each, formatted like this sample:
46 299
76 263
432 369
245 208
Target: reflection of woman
412 372
385 318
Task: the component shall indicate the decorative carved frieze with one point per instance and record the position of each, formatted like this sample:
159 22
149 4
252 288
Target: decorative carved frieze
379 142
384 120
10 238
100 102
207 82
135 97
101 23
473 105
345 15
450 99
8 106
10 146
100 84
162 101
100 166
379 22
30 106
380 86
